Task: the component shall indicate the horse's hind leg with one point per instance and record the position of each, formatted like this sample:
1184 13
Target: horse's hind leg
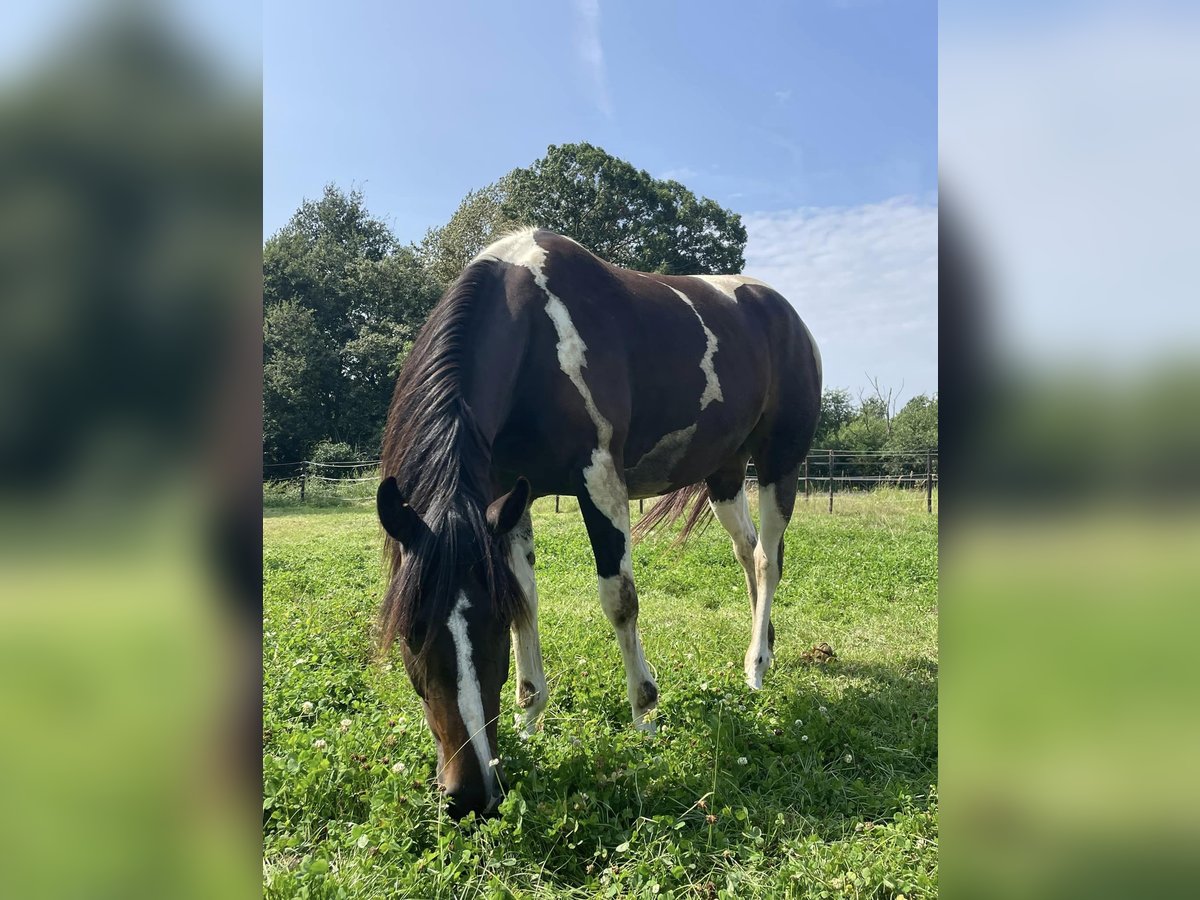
527 645
727 497
604 502
775 502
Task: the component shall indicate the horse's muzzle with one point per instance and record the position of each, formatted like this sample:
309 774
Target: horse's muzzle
471 797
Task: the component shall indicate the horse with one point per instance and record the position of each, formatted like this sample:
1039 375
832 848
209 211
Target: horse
546 370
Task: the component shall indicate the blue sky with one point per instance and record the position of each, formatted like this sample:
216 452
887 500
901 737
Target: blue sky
816 120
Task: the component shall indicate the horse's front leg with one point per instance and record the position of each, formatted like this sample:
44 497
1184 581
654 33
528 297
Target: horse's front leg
604 502
527 645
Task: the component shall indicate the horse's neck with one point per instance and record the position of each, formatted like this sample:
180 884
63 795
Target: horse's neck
487 389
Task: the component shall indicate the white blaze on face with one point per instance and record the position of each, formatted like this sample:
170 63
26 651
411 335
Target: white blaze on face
470 699
712 387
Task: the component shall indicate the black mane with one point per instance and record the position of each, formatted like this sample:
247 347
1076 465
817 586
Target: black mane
435 451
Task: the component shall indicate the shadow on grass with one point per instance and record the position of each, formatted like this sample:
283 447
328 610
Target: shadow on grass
857 743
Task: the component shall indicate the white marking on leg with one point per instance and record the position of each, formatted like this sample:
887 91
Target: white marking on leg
712 387
624 623
766 566
470 699
734 515
527 646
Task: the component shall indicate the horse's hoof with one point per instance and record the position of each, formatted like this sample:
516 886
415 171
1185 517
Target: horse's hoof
526 726
755 668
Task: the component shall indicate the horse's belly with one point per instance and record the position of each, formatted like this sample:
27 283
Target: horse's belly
681 458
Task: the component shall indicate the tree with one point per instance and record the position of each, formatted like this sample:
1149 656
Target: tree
866 431
478 221
620 213
837 410
870 423
342 302
623 214
915 427
298 366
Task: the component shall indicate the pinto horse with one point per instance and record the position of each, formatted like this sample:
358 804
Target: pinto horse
546 370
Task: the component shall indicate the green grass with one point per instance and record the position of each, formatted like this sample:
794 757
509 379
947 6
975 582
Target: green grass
836 796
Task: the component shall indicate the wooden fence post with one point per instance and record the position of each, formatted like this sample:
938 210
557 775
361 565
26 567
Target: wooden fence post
556 502
831 481
928 479
805 477
641 505
303 477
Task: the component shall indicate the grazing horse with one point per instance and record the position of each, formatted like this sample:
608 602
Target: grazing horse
546 370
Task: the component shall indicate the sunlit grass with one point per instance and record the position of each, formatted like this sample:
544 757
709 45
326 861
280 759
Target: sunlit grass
836 795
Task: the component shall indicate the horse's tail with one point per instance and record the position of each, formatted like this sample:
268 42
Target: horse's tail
673 506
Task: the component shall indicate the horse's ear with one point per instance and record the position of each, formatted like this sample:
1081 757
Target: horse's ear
398 518
505 513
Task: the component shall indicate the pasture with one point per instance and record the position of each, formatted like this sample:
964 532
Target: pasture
821 785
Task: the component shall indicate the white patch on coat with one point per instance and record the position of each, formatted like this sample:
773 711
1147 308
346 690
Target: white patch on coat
510 248
603 484
602 479
728 284
470 699
651 474
712 387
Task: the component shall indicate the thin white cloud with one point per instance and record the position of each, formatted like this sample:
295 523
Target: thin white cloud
864 279
783 96
683 173
591 52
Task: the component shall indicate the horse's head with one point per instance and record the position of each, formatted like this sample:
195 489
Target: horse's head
454 599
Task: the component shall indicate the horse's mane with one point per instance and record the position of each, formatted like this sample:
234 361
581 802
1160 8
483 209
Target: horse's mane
432 446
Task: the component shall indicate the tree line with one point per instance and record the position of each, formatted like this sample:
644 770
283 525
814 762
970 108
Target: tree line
343 299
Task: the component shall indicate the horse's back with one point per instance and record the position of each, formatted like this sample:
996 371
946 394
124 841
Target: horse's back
684 370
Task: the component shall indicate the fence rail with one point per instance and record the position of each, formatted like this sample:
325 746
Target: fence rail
826 471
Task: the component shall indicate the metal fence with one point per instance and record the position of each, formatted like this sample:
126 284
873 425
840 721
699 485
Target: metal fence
824 473
841 470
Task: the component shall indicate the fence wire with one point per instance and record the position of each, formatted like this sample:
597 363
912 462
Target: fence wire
859 470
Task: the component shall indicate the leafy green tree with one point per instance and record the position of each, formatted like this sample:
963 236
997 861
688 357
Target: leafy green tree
915 427
325 452
299 363
866 431
623 214
619 212
342 301
370 363
849 425
479 220
837 410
